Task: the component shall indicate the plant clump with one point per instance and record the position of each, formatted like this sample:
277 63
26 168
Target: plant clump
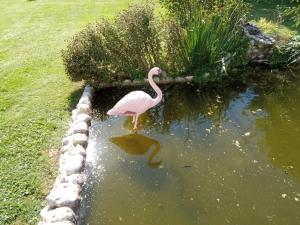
112 50
201 38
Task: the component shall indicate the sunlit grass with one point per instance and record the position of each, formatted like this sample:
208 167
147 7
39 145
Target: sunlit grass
36 95
278 31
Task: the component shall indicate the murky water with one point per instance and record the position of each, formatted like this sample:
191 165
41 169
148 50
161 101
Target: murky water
209 157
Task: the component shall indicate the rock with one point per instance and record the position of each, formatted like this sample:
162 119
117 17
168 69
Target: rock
80 127
75 112
67 147
58 223
65 195
67 140
88 89
71 164
61 214
261 45
84 100
74 179
80 139
83 118
84 108
73 150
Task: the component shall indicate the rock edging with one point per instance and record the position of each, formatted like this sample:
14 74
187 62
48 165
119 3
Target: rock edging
63 201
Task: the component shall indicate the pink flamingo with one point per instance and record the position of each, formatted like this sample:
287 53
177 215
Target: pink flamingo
137 102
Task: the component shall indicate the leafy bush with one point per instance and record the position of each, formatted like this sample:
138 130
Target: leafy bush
294 12
111 50
197 37
287 54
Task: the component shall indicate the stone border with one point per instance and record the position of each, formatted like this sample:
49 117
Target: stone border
63 201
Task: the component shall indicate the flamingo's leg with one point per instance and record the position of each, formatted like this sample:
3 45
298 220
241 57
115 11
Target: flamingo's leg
135 121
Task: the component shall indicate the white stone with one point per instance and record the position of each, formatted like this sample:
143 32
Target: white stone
87 94
73 150
75 112
65 194
80 127
88 89
85 100
74 179
67 140
84 108
83 118
58 223
67 147
71 164
80 139
58 215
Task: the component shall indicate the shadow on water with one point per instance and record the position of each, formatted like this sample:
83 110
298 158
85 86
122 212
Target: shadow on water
137 144
281 127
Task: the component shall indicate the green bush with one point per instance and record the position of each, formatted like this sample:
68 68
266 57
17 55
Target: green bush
202 38
294 12
107 51
287 54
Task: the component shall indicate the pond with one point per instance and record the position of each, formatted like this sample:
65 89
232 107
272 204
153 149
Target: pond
209 156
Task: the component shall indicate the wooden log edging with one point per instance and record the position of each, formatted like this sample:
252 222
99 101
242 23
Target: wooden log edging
129 83
64 199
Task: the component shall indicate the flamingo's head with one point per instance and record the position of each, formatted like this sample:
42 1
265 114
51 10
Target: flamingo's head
155 71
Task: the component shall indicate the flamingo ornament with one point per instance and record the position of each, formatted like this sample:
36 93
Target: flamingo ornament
137 102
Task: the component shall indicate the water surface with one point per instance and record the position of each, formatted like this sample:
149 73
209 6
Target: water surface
205 157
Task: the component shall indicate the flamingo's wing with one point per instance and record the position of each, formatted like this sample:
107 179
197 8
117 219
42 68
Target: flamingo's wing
135 102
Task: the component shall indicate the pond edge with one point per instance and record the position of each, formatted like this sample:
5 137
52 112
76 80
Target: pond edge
65 197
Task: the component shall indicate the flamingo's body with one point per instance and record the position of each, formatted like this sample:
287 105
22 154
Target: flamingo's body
137 102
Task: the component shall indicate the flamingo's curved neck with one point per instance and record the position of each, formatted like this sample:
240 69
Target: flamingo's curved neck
156 89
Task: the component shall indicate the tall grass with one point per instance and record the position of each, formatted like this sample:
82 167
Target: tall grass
209 41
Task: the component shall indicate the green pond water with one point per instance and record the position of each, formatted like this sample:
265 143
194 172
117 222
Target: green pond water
211 156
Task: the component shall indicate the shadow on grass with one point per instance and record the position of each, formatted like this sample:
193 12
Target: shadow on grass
74 98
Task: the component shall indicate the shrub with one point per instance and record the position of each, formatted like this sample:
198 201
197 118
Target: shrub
107 51
294 12
287 54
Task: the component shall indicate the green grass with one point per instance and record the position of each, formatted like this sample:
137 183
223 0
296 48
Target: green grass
272 10
36 96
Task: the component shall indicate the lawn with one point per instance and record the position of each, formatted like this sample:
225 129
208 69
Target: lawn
36 96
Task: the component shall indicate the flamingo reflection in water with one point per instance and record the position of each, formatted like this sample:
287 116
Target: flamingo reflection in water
137 144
